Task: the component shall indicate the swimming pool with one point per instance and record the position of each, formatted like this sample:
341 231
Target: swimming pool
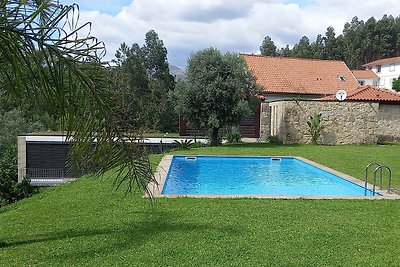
284 176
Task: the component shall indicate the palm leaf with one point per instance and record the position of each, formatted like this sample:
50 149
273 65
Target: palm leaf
47 57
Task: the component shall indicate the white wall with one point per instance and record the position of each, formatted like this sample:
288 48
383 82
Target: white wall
369 81
389 71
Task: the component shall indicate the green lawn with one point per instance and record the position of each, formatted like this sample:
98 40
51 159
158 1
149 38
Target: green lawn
86 223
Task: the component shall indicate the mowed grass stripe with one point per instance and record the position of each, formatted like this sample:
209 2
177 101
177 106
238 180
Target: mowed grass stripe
87 223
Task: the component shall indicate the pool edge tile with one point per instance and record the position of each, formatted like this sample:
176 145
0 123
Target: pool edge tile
154 188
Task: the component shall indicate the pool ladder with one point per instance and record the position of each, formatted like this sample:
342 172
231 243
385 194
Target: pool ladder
379 168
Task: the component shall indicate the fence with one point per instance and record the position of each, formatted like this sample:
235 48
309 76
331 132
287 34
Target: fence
45 177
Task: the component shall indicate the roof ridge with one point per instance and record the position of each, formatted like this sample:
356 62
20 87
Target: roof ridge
294 58
384 60
367 93
382 90
356 91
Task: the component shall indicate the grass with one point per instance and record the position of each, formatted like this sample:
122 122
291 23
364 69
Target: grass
87 223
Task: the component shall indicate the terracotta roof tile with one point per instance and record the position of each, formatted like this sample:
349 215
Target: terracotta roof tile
383 61
300 76
364 74
367 93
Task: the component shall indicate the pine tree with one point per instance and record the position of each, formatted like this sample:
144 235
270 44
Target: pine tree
268 47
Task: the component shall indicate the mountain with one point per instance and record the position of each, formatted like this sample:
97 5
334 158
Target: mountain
177 72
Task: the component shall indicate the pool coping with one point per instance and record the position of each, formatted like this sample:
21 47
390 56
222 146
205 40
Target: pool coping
154 188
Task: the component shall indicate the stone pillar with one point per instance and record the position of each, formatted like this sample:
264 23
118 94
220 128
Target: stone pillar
265 122
21 158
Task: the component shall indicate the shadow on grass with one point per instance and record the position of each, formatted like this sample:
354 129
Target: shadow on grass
121 236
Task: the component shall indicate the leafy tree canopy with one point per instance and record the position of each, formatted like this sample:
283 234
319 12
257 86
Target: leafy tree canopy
216 92
142 84
396 85
360 42
268 47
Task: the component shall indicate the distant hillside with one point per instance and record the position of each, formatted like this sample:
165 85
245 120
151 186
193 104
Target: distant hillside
177 72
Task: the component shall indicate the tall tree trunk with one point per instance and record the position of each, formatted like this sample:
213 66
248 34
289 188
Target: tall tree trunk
214 140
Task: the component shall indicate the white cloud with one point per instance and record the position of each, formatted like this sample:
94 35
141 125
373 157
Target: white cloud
190 25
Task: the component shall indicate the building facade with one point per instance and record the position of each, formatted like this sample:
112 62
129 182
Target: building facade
366 77
387 69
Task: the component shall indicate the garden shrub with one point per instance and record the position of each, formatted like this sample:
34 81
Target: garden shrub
274 140
233 137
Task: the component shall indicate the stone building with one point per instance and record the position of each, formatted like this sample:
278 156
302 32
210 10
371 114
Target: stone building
297 88
284 78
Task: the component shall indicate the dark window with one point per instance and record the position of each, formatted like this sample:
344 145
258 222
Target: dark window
378 68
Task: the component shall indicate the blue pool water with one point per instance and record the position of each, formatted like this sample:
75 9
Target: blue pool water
254 176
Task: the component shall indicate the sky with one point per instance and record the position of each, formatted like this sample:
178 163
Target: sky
187 26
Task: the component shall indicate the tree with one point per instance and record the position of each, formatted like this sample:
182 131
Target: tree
302 49
216 92
361 42
144 83
268 47
396 84
161 82
48 57
317 48
285 52
131 86
331 47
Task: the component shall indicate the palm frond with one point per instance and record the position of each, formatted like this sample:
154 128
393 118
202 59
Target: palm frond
48 57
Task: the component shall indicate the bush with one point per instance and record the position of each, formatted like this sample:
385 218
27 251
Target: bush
314 127
197 145
10 190
233 137
184 144
274 140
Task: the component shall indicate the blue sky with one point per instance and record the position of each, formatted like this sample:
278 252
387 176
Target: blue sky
111 7
186 26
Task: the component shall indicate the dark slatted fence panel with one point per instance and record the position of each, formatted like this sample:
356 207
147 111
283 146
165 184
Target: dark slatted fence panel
250 127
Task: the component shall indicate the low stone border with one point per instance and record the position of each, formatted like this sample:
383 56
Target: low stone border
155 188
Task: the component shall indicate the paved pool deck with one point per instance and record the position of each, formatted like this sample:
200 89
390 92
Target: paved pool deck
155 188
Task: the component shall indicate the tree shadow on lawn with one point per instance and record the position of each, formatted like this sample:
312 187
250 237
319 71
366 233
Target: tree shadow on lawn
121 237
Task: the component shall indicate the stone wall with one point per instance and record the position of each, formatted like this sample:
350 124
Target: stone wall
343 122
388 123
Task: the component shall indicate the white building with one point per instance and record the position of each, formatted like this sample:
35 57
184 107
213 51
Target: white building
366 77
387 69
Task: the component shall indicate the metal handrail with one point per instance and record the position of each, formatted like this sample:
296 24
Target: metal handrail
366 176
380 179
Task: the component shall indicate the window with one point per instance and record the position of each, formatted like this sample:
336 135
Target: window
392 67
375 83
378 68
362 82
381 82
342 78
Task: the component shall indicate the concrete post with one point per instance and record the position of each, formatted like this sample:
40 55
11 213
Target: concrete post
21 158
265 122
